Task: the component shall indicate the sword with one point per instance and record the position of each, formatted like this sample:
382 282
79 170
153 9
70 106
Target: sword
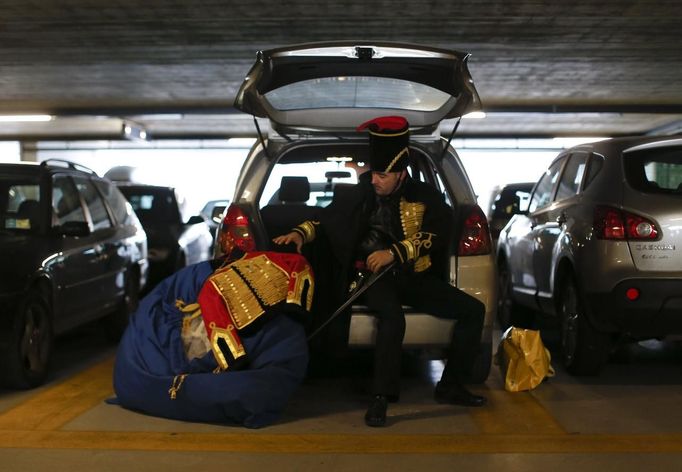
357 291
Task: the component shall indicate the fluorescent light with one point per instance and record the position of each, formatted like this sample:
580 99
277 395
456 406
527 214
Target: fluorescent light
25 118
477 115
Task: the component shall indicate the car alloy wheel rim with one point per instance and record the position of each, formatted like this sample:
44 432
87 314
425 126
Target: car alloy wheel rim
569 324
34 339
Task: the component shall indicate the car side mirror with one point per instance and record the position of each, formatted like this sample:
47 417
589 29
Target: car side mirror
217 213
196 219
74 228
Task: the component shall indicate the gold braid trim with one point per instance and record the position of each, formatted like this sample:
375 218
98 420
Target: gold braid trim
241 302
411 216
268 279
191 310
229 336
307 229
294 296
388 135
396 159
248 285
411 219
175 386
411 249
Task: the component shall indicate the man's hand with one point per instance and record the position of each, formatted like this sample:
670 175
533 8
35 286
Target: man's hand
379 259
288 238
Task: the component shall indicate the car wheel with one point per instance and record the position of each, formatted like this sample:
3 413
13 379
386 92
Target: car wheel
584 349
27 356
118 321
509 312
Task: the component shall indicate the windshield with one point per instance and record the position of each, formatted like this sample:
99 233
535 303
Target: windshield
357 92
20 204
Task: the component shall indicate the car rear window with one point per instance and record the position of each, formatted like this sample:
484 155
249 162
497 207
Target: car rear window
357 92
656 170
153 206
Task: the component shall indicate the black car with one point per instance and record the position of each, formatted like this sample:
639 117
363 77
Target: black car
72 251
505 202
173 242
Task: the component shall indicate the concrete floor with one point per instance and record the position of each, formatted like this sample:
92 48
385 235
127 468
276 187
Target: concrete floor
628 419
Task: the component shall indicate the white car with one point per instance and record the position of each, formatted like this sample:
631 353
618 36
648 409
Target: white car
314 96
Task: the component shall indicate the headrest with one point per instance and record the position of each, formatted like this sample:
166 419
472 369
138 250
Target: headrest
29 210
294 189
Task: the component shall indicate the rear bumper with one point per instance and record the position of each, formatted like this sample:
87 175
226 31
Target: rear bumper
422 331
656 313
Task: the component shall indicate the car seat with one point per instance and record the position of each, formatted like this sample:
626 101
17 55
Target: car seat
292 210
29 210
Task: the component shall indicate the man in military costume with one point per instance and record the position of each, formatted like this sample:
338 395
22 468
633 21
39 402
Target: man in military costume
219 344
389 217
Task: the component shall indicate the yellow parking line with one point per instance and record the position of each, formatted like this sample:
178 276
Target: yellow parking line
512 423
342 443
54 407
514 413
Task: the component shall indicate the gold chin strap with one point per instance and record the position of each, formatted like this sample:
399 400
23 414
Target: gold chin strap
396 159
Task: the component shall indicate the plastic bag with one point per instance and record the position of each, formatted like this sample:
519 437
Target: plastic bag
523 359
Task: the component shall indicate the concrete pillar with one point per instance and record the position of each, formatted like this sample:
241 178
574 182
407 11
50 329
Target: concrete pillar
29 151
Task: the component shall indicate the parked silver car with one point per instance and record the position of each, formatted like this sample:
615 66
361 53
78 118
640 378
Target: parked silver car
315 96
599 248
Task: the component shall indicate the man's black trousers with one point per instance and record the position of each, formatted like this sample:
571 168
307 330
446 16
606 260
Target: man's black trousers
429 294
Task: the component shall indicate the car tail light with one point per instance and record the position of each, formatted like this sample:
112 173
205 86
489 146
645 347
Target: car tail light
236 231
475 237
613 223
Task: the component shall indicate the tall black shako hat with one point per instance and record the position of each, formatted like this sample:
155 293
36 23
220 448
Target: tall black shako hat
389 142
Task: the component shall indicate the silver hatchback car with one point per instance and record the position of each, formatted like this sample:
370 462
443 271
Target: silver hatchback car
599 248
314 96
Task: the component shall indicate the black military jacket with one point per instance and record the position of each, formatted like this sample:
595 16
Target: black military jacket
425 223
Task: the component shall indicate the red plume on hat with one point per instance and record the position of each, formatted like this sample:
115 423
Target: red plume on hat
389 141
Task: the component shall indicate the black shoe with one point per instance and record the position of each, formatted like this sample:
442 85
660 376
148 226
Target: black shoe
376 413
456 394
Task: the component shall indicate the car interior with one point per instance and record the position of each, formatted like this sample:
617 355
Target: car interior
279 218
30 210
291 203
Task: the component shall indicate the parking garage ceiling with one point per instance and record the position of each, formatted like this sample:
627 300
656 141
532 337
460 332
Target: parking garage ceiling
542 68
